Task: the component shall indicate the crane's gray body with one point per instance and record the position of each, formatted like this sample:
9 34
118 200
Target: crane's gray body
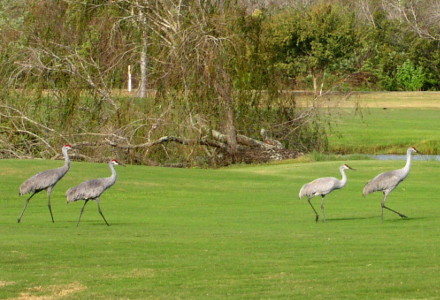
322 187
45 180
386 182
92 190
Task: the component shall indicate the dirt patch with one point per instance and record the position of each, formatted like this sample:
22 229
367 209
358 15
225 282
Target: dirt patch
6 283
51 292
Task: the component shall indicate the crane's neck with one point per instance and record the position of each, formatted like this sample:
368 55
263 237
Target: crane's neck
66 159
343 181
114 175
407 166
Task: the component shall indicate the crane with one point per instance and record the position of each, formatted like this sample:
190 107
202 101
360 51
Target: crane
93 189
45 180
322 187
386 182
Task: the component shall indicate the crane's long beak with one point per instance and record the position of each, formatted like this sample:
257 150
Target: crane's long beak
350 167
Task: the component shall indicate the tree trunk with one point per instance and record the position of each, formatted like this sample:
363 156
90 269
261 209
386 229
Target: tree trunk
231 132
144 64
318 81
224 89
142 91
315 83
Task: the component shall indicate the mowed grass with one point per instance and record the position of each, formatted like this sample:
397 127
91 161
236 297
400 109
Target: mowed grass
429 100
386 131
381 122
233 233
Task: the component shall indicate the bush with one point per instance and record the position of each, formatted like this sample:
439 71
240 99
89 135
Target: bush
410 77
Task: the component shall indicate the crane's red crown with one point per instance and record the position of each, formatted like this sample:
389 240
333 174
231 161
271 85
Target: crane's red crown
68 145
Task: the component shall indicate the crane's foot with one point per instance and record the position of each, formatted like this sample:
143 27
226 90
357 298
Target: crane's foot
403 216
317 218
18 220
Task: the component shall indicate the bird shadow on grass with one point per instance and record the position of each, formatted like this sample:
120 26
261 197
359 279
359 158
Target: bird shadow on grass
376 217
405 219
101 223
350 218
88 223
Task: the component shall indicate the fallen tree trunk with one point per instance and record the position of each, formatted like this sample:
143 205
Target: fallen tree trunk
249 150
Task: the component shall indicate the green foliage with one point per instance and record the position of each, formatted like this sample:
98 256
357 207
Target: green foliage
312 40
268 46
425 54
410 77
390 48
61 61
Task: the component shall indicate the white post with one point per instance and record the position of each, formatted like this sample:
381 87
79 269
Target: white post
129 78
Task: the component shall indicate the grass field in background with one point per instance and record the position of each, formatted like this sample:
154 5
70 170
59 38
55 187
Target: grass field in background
233 233
386 123
386 131
396 99
382 100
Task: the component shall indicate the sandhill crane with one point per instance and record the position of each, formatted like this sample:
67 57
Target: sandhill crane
388 181
45 180
93 189
322 187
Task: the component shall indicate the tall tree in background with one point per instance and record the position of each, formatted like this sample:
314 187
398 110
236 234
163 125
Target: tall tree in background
313 40
421 16
193 59
139 13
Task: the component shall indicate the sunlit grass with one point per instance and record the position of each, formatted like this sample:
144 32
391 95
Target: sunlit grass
386 131
382 100
235 233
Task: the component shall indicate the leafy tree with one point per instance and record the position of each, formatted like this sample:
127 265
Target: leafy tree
426 54
313 40
383 48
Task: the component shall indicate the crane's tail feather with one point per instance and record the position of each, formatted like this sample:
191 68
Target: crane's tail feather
71 195
302 191
368 189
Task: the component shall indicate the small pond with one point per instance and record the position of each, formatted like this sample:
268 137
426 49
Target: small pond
403 157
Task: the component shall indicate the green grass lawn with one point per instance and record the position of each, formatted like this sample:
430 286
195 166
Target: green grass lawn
233 233
390 130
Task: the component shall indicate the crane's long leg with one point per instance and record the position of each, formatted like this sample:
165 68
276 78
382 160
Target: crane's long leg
99 209
383 206
25 206
49 192
82 210
401 215
317 216
322 208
